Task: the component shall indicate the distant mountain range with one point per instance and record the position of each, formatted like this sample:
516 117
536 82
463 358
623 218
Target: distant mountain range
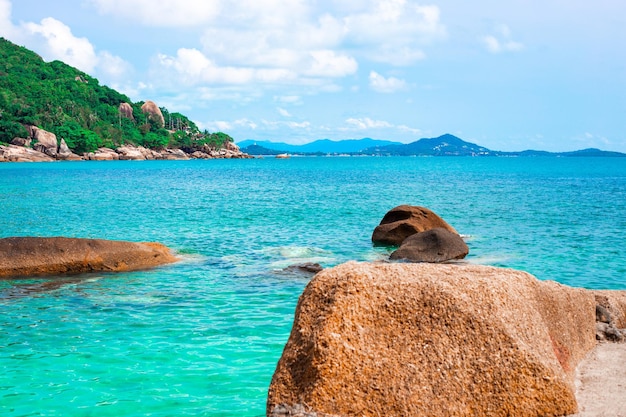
445 145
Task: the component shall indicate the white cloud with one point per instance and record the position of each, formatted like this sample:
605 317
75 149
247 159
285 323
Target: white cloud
367 123
501 41
328 63
6 26
194 68
167 13
385 85
283 112
61 44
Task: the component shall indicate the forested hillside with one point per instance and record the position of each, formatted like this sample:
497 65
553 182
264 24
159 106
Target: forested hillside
73 105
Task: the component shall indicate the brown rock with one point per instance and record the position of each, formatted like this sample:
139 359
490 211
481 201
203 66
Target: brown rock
46 142
103 154
615 303
154 113
38 256
434 245
126 110
404 221
14 153
434 340
66 154
129 152
21 142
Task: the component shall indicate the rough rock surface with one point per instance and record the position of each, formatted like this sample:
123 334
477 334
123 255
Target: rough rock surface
404 221
66 154
153 111
102 154
126 110
39 256
434 245
434 340
14 153
46 142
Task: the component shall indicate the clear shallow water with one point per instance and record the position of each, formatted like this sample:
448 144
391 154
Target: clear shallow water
202 337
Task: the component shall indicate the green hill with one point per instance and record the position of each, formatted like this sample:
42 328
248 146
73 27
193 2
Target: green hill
61 99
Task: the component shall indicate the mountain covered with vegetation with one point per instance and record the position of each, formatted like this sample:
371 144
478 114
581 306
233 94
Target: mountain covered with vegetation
73 105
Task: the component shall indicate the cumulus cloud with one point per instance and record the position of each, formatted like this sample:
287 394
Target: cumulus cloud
63 45
367 123
501 41
6 27
283 112
385 85
167 13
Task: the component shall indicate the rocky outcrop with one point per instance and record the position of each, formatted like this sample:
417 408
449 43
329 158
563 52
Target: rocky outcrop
102 154
404 221
38 256
45 142
434 245
126 110
433 340
154 113
66 154
21 142
610 315
13 153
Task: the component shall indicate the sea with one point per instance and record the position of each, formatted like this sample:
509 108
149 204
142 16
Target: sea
202 337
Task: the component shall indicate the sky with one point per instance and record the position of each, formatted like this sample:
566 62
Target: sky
508 75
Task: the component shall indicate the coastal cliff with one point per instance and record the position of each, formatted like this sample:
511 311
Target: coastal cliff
435 340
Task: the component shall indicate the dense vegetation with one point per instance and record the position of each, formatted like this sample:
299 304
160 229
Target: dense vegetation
63 100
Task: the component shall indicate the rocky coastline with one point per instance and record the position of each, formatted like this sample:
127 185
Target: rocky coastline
43 146
432 336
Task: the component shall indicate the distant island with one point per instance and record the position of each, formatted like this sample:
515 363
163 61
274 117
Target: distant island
444 145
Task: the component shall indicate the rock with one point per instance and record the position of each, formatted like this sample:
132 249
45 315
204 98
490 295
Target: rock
434 245
283 156
14 153
103 154
39 256
602 314
404 221
66 154
126 110
46 142
21 142
154 113
614 302
173 154
129 152
306 267
608 332
376 339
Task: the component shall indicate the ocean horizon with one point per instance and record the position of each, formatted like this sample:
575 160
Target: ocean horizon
202 337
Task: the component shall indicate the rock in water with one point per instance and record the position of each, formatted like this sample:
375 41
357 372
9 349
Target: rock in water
404 221
434 245
40 256
434 340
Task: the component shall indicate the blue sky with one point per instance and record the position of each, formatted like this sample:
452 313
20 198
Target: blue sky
513 75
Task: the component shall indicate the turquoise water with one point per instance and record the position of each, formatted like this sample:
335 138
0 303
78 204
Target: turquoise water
202 337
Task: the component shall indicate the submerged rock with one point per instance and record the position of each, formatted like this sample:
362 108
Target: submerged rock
434 245
404 221
40 256
433 340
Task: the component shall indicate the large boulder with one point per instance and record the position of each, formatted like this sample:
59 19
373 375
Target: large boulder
130 152
404 221
46 142
375 339
126 110
154 113
39 256
434 245
103 154
66 154
13 153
